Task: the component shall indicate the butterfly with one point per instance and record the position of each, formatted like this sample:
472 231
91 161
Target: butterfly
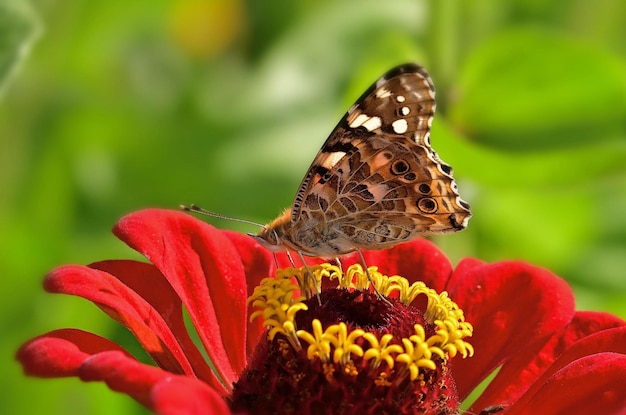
376 182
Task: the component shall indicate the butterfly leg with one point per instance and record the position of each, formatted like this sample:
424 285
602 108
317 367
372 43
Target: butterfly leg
338 261
307 287
275 260
369 277
293 264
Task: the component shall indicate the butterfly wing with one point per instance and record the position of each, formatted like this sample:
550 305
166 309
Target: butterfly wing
376 181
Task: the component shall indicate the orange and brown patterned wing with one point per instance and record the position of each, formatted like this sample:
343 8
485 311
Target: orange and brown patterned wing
377 181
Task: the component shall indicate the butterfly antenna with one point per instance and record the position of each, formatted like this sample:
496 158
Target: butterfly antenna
197 209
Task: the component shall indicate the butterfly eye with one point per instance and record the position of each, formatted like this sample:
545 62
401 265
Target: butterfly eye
427 205
399 167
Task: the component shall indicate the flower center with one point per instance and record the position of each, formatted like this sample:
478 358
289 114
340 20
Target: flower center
350 351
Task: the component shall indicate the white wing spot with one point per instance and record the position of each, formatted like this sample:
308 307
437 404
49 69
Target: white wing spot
370 123
405 110
400 126
383 93
358 120
400 98
332 159
373 123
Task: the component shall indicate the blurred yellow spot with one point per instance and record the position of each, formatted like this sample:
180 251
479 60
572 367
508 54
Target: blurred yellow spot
204 28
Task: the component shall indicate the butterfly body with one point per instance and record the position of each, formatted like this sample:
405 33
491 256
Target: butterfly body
376 182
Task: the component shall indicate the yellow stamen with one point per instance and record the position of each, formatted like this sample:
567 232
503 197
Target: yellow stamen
277 301
337 335
381 351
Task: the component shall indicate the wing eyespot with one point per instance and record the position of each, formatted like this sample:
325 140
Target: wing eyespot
399 167
427 205
410 176
424 188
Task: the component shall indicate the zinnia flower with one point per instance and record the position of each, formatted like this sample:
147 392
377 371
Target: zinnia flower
344 351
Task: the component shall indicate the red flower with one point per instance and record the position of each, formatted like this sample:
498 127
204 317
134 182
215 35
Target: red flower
551 359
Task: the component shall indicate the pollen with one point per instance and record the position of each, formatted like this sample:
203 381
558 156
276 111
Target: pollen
347 346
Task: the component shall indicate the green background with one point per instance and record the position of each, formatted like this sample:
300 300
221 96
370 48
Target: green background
107 107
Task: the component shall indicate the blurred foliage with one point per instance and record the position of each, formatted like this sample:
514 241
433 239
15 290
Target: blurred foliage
121 106
18 29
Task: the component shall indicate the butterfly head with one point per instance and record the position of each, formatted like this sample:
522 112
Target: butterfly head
269 239
273 236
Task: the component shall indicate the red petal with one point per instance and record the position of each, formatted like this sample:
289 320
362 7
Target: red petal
466 264
258 263
165 320
419 260
590 385
72 352
513 306
205 270
586 334
160 391
127 307
123 374
154 388
122 304
60 353
184 396
606 341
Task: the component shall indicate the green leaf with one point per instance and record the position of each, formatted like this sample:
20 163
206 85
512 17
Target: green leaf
531 89
19 27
